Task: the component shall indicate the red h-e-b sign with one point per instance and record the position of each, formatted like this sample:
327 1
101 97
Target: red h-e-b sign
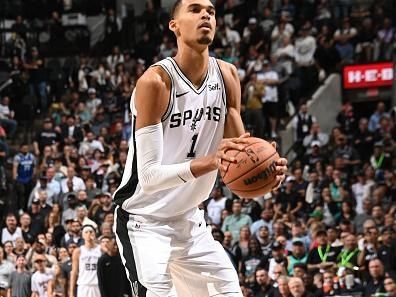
368 75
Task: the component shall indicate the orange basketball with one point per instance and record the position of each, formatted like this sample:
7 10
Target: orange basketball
253 174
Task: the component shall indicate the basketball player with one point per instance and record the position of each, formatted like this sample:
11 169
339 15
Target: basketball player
186 114
84 266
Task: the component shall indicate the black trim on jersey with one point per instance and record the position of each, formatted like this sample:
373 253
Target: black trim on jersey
224 93
171 100
127 190
127 253
187 81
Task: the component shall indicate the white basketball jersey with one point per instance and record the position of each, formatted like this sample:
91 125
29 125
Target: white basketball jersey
87 268
193 126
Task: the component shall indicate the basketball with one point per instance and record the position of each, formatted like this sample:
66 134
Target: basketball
254 172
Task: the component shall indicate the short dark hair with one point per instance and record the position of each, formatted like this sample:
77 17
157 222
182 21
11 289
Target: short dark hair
175 8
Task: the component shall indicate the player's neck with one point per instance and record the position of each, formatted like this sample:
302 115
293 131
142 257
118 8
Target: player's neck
90 245
193 63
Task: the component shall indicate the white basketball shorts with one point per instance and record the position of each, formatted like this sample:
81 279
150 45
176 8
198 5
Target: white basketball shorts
88 291
174 258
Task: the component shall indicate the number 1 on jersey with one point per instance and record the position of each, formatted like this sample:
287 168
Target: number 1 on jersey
191 153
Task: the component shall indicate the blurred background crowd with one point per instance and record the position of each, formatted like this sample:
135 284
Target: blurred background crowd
65 124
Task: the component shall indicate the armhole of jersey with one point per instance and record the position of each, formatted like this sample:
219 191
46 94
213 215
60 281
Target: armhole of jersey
170 102
224 92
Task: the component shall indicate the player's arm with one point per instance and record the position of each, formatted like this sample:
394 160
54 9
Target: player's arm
151 101
74 272
233 124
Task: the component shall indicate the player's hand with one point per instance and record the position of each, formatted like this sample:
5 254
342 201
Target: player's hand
236 143
281 169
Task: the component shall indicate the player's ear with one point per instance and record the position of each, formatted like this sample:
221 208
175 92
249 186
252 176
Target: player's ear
173 26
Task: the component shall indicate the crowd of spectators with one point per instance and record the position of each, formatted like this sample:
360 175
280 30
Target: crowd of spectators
65 124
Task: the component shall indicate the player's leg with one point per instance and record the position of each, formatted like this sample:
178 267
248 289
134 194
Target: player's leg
145 256
203 269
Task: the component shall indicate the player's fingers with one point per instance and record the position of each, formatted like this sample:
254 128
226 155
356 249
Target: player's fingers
281 169
281 162
230 145
245 135
279 180
224 157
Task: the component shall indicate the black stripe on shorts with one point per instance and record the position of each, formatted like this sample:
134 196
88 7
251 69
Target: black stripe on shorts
138 290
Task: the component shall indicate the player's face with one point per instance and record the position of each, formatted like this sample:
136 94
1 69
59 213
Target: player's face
195 22
88 234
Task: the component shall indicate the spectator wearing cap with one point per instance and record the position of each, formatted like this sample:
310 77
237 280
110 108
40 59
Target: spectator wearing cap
236 220
93 101
73 234
20 279
380 160
105 207
38 249
298 231
42 186
6 268
11 231
278 261
387 250
263 283
324 256
110 282
41 277
315 136
47 135
298 254
253 35
72 183
375 284
71 134
70 209
263 237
